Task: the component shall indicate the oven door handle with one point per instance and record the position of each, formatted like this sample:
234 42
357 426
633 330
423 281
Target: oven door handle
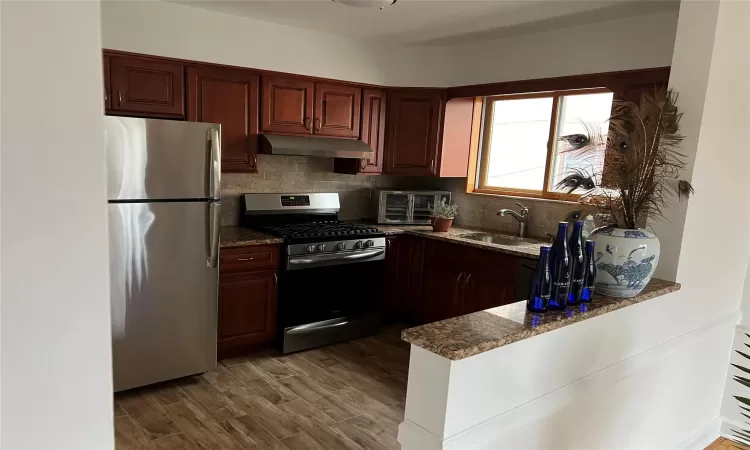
334 258
319 326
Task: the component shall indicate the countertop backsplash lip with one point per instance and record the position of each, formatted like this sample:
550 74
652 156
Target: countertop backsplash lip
471 334
234 236
456 233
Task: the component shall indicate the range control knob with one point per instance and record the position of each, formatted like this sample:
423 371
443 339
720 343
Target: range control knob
341 246
370 243
321 247
359 245
310 248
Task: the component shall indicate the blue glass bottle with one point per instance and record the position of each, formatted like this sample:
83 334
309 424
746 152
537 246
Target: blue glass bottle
559 269
575 247
539 285
589 273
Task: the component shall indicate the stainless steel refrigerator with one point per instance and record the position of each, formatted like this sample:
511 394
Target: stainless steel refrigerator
164 205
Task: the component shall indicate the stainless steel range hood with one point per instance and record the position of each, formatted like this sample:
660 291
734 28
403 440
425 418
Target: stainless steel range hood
275 144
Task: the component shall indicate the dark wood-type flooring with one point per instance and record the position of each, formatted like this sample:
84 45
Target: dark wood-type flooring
344 396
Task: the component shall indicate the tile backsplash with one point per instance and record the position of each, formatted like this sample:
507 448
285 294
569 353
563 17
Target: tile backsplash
481 211
296 174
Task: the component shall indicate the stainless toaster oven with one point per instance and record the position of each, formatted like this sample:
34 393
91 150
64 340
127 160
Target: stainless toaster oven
405 207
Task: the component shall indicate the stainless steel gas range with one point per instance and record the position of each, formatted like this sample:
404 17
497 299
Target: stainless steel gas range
331 271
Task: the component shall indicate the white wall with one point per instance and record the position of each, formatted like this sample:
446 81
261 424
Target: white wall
56 362
621 44
179 31
691 64
168 29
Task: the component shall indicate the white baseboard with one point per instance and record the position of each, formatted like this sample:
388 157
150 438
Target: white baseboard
412 437
727 425
702 437
491 431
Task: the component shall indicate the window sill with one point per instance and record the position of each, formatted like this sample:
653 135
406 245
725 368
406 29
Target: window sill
572 201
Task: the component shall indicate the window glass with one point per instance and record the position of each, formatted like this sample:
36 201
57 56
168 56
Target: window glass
516 151
593 110
518 143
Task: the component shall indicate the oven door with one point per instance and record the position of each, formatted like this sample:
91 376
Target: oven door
329 302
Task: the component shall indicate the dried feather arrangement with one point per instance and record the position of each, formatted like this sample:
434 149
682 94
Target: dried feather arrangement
642 166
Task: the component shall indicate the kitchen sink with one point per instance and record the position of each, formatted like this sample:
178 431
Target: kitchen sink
494 239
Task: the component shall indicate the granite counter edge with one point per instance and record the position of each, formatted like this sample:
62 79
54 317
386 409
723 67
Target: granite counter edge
520 251
459 351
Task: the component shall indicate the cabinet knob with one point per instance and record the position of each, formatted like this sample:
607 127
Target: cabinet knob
106 96
119 98
307 123
363 164
317 124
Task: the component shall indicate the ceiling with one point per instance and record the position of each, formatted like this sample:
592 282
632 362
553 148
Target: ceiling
434 22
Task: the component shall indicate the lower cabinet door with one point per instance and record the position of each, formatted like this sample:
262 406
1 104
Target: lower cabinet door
391 304
247 309
443 289
484 290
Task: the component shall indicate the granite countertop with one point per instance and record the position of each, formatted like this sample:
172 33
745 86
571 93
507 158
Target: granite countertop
471 334
529 249
241 237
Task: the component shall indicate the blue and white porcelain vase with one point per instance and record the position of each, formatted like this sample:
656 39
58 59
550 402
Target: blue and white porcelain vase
625 260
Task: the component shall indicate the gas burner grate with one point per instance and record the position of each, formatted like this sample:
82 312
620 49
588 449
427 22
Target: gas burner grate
321 230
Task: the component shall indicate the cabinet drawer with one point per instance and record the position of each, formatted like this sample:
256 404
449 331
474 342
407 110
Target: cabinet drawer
242 259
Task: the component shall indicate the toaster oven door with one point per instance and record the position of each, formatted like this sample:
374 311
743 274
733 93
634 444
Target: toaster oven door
393 207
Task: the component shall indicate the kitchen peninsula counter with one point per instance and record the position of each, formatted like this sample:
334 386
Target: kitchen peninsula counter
464 336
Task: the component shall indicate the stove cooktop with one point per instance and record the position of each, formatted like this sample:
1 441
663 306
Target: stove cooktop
323 230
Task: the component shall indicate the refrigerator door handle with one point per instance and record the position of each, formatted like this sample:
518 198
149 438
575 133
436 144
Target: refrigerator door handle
214 182
214 212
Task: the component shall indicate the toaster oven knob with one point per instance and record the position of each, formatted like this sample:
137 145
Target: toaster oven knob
310 248
341 246
370 243
359 245
321 247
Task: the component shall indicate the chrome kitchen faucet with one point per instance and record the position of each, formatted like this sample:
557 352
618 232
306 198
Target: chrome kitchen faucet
521 217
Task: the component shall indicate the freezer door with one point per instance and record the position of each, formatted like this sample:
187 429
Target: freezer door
162 159
163 293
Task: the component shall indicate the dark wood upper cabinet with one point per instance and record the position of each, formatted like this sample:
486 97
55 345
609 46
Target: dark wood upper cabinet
337 110
287 105
412 136
146 86
373 129
107 96
228 97
373 134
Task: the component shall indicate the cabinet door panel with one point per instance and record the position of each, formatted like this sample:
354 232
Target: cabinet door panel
337 110
228 97
443 289
247 308
107 93
486 290
147 86
287 105
490 281
413 132
392 307
373 129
